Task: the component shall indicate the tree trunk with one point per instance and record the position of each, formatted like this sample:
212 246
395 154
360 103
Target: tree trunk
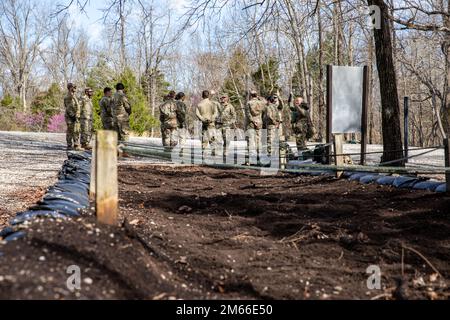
321 76
370 93
122 35
392 136
446 48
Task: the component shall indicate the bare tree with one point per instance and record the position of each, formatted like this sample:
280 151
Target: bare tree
116 13
22 32
392 137
419 16
155 42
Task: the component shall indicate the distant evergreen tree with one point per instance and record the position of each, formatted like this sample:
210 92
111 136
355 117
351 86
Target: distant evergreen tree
235 81
49 102
141 119
266 77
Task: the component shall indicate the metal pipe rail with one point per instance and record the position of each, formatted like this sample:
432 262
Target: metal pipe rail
302 167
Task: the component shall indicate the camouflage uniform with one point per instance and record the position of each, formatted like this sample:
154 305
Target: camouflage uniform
106 113
182 123
169 123
272 122
225 122
253 124
207 113
121 113
72 116
86 120
300 125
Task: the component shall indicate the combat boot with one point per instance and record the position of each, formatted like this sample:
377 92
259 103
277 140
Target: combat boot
86 147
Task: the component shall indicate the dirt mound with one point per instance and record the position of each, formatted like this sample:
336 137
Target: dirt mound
195 232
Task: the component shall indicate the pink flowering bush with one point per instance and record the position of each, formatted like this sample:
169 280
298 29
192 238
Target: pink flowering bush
56 123
30 121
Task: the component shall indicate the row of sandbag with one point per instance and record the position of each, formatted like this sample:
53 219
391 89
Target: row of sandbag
411 182
67 198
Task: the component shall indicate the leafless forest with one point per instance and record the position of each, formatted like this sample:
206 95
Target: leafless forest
234 46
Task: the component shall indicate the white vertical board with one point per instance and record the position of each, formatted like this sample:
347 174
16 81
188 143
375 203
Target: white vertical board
347 93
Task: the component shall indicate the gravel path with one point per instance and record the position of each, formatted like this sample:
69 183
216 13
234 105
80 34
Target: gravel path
29 163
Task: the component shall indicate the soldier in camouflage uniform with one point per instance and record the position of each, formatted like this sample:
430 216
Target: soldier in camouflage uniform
181 117
72 116
207 112
272 121
254 124
86 118
169 121
226 121
106 110
121 113
301 123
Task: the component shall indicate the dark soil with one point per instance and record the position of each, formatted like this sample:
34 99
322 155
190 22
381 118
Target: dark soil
22 199
195 232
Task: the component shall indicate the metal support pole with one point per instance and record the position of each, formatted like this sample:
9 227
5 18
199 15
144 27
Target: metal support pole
329 112
406 126
447 163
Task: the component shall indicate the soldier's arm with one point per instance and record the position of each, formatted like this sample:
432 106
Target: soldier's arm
181 113
69 107
303 111
82 105
127 105
199 115
280 101
216 111
78 109
107 106
233 114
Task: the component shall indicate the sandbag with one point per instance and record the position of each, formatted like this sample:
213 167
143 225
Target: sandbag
357 176
28 215
15 236
441 188
405 182
386 180
369 178
67 198
427 185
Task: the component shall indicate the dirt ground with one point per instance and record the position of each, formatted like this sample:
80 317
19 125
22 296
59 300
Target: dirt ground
197 232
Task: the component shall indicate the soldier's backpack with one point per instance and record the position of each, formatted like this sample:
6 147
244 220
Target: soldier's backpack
310 131
169 114
320 154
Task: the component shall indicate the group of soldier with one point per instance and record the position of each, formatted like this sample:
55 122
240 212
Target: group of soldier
216 114
115 113
218 118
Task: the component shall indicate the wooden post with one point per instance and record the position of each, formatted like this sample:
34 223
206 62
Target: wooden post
364 115
283 145
329 111
107 191
447 162
338 151
93 173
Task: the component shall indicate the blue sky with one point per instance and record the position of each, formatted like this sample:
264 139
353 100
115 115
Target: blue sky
92 21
